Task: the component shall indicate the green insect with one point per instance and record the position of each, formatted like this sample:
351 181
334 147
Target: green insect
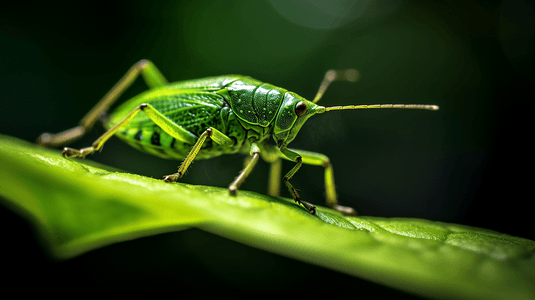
208 117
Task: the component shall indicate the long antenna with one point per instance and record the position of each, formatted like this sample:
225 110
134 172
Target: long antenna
402 106
334 75
352 75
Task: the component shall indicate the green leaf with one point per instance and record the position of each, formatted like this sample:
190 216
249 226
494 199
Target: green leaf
78 207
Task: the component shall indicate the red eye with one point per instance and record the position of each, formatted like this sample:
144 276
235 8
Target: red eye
301 108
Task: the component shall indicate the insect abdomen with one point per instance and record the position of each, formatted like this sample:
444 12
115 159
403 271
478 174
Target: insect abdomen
194 111
154 141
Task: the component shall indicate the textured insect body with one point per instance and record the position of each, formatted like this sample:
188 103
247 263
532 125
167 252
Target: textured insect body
238 106
208 117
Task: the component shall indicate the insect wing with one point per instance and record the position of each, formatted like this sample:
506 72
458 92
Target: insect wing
188 108
208 83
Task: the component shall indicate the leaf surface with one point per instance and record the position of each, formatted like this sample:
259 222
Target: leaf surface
77 207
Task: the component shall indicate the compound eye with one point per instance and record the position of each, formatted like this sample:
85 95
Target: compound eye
300 108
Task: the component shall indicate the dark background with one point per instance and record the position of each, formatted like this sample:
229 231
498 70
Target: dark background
467 163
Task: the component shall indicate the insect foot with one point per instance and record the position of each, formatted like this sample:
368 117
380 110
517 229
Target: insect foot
311 208
44 139
233 190
346 210
70 152
172 177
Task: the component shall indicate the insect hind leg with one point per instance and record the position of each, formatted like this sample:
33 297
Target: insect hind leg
152 77
157 117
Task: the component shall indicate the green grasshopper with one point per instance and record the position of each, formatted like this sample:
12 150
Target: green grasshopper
208 117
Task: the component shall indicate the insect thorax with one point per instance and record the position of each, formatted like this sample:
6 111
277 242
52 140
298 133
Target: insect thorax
255 102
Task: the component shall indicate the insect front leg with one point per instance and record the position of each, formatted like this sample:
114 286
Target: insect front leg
295 157
318 159
152 77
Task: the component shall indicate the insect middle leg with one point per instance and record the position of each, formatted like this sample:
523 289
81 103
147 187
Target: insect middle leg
221 139
254 151
152 77
216 135
272 155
